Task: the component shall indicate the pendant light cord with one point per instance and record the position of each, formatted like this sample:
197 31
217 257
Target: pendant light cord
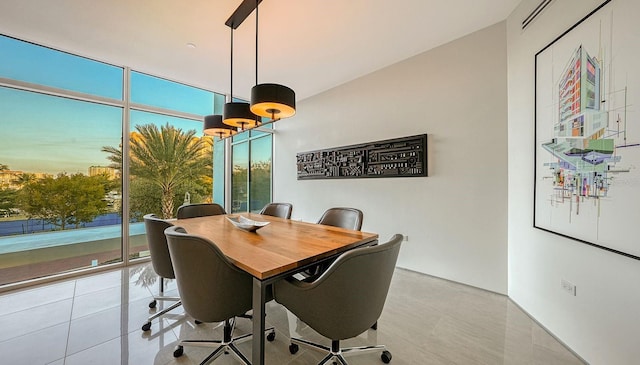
231 64
257 42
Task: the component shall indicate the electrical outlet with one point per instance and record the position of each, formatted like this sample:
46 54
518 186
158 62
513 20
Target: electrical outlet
406 238
568 287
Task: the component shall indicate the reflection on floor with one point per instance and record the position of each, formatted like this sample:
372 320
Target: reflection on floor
97 319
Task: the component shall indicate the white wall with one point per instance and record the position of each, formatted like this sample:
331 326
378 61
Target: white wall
456 219
602 322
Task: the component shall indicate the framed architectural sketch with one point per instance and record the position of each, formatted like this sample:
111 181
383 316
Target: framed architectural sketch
587 131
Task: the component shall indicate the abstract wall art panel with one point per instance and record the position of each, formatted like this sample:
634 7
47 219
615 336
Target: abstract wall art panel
399 157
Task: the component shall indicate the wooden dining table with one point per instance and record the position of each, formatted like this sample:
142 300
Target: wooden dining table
275 251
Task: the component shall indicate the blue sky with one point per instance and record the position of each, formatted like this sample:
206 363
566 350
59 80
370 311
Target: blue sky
40 65
41 133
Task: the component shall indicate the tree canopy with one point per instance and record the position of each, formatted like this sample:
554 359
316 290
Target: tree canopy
7 195
7 199
167 160
65 199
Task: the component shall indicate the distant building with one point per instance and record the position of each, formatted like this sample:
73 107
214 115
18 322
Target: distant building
12 179
99 170
9 179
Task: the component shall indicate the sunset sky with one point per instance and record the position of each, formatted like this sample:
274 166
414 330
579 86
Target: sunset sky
50 134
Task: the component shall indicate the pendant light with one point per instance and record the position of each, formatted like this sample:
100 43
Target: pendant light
237 114
213 126
273 101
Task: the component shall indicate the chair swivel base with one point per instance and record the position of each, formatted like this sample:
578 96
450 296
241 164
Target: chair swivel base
336 353
147 325
222 348
228 344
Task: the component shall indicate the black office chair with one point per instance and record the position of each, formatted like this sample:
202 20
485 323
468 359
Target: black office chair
345 300
199 210
282 210
161 262
212 290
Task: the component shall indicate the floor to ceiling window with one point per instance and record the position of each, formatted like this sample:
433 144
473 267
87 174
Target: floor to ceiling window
59 199
62 197
170 160
251 170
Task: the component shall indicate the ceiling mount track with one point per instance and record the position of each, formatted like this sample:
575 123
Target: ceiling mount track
242 12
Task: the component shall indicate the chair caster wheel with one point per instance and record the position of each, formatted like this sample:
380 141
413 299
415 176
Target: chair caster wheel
146 326
271 336
178 351
386 357
198 322
293 348
153 304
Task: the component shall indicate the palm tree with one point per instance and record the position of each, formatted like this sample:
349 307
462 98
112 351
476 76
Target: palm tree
166 157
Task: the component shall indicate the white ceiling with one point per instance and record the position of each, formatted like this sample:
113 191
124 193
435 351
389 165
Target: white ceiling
308 45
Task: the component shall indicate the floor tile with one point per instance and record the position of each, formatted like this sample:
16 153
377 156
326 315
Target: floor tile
103 326
97 282
30 298
38 347
35 319
107 353
114 296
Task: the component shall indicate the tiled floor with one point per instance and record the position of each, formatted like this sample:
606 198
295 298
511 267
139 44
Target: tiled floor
97 319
